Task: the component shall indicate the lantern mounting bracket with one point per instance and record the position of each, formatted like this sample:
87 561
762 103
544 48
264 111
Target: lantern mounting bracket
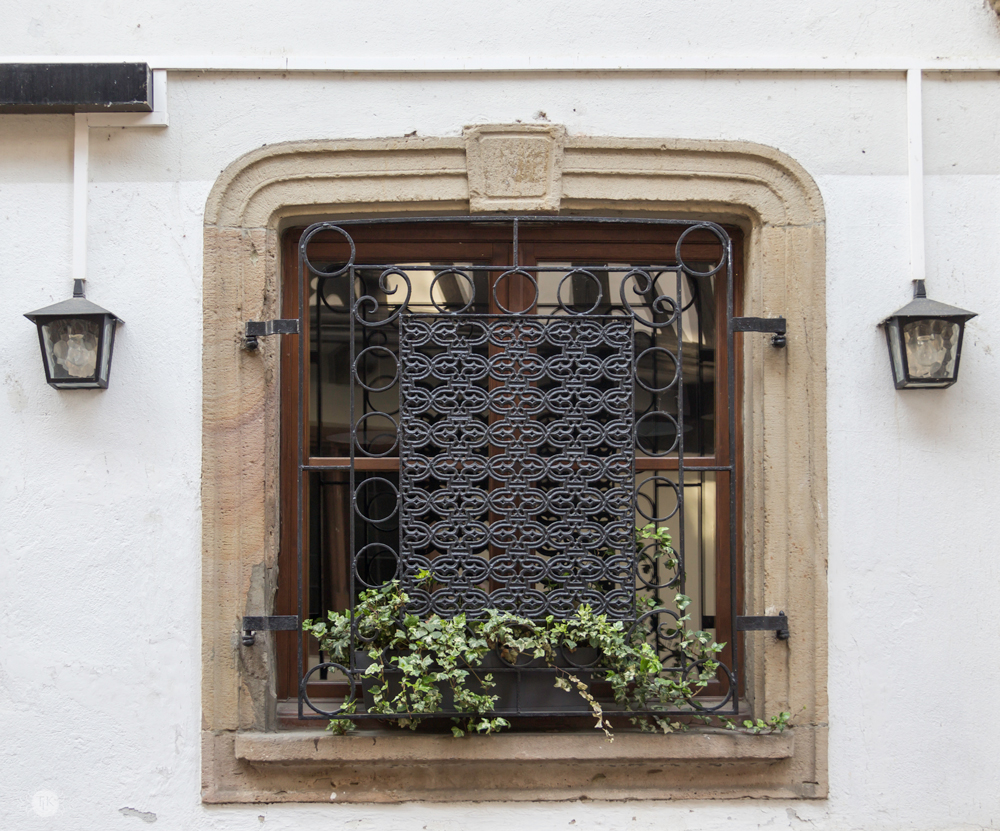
262 328
774 325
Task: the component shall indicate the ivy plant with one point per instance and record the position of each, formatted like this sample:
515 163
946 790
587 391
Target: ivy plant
420 666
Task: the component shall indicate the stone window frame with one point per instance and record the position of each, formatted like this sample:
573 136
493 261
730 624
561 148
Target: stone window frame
525 169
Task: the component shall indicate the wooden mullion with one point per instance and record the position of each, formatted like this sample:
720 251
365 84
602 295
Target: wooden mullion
737 452
285 597
670 462
360 462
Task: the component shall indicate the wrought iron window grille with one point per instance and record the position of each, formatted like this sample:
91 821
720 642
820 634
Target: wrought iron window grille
517 434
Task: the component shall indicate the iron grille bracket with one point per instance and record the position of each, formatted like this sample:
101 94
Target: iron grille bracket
758 623
774 325
262 328
274 623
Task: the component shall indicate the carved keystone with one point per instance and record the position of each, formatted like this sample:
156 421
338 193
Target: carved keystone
514 167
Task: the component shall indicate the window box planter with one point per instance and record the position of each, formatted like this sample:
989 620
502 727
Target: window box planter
430 667
519 687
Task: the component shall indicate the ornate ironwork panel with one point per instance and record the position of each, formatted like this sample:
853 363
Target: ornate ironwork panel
517 464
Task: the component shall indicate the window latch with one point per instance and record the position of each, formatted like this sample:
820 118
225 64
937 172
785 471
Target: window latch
758 623
262 328
274 623
774 325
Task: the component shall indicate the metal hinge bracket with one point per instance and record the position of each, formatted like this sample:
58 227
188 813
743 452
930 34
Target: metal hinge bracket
757 623
262 328
274 623
775 325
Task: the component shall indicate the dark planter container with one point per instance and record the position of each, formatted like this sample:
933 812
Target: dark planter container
522 688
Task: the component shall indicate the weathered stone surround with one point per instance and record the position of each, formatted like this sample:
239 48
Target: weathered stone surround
528 169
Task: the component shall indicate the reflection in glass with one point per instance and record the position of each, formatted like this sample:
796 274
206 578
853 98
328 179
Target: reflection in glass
577 288
896 348
448 287
657 503
376 536
376 540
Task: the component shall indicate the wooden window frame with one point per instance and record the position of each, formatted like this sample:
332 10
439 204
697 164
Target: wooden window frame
485 244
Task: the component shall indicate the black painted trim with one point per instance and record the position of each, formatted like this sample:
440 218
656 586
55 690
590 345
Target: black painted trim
76 88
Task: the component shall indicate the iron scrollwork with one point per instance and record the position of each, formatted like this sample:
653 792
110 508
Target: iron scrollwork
516 464
517 432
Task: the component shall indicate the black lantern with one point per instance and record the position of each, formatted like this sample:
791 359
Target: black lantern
77 339
925 342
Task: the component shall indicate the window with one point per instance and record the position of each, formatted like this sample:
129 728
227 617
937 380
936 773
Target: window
246 757
535 400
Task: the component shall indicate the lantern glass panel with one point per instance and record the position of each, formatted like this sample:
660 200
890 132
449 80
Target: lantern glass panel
896 352
109 340
71 347
931 348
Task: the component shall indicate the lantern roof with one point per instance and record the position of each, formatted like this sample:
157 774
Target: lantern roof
76 306
922 306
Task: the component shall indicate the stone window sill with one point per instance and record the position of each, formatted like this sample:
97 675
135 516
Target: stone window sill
314 766
318 746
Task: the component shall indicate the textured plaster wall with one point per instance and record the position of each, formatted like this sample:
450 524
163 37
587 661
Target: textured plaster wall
99 491
516 27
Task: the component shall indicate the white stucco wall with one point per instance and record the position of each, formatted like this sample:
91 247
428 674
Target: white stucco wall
516 27
99 491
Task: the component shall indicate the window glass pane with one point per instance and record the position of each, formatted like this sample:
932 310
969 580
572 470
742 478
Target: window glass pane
330 351
600 287
690 567
376 535
441 286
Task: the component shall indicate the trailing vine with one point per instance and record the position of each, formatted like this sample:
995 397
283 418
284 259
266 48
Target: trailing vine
419 667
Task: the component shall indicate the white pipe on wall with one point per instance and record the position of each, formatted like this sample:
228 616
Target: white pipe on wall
915 171
81 177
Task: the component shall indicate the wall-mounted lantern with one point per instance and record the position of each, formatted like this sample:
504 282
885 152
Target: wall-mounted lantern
925 342
77 338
